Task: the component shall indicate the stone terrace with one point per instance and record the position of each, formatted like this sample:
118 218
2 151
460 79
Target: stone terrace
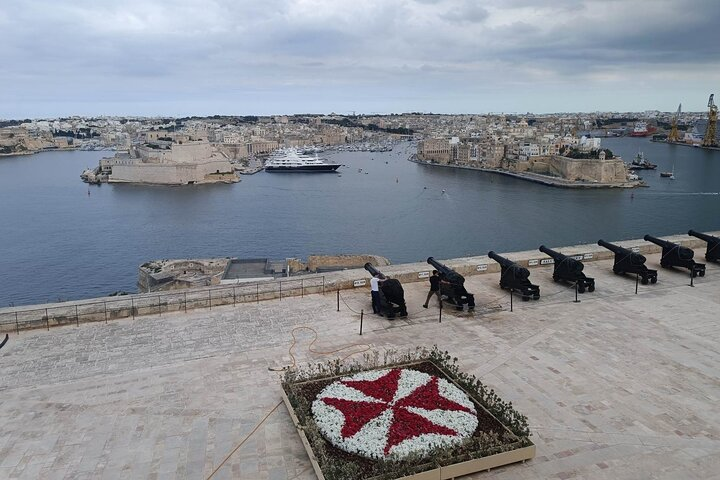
618 386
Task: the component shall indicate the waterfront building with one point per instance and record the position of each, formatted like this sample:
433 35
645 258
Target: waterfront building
169 163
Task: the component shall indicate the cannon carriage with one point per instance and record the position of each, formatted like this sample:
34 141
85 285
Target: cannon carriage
515 278
569 270
712 254
392 295
627 261
452 286
674 255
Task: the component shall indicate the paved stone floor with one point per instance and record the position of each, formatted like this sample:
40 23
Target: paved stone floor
618 386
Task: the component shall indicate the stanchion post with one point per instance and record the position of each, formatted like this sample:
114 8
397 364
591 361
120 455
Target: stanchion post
159 309
210 298
105 305
257 293
302 288
17 325
440 316
132 307
576 293
323 278
338 300
47 319
234 297
280 290
185 302
511 300
362 314
692 278
77 319
637 280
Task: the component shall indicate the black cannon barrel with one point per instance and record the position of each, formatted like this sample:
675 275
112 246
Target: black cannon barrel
552 253
500 259
612 247
703 236
562 260
671 249
440 267
371 268
659 241
450 275
634 258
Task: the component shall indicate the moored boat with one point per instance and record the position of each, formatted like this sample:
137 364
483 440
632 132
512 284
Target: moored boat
289 160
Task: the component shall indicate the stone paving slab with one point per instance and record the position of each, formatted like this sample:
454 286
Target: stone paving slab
616 386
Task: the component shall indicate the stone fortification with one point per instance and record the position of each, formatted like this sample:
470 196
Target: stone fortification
102 309
170 164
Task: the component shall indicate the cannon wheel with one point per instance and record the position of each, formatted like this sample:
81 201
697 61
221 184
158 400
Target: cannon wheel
581 288
644 281
536 296
591 288
653 280
702 273
556 278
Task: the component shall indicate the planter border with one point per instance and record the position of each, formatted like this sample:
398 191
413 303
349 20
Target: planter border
523 449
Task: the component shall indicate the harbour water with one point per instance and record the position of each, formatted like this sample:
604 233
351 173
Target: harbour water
60 239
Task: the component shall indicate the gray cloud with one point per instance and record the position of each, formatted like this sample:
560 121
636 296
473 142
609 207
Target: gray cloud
441 55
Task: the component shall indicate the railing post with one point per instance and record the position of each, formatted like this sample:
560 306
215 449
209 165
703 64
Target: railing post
576 293
47 319
132 307
323 284
511 300
17 325
338 300
692 277
105 305
257 293
77 319
362 313
637 280
440 317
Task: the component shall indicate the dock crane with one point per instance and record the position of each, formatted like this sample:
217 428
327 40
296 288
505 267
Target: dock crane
674 136
709 139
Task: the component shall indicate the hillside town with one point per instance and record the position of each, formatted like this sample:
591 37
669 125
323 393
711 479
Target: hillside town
565 147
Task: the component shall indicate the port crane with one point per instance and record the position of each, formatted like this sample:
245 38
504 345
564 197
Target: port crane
709 139
674 136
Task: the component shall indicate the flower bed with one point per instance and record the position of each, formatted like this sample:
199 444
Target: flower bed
401 416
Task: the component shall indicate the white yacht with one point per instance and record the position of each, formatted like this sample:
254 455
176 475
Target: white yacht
289 160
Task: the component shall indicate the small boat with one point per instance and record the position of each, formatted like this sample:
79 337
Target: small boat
670 175
640 163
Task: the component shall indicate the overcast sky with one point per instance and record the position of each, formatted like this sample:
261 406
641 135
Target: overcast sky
205 57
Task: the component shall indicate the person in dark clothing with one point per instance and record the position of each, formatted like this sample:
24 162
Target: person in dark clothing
434 288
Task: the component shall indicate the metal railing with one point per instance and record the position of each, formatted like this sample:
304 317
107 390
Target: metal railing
70 313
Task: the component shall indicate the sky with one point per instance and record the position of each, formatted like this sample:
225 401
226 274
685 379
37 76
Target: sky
266 57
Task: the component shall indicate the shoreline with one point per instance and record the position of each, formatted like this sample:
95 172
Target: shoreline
536 177
700 147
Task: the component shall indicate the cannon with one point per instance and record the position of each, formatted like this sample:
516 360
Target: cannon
674 255
513 277
392 295
570 270
452 286
627 261
712 254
